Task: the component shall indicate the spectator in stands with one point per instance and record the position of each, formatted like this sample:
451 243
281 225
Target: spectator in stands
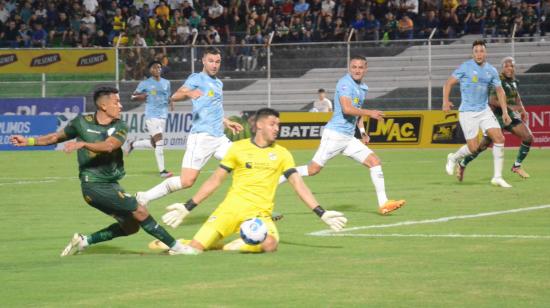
195 20
409 7
372 28
215 14
131 66
4 13
91 5
517 22
134 23
39 36
101 40
162 10
340 30
545 18
405 27
390 27
301 8
448 25
26 12
463 14
327 7
429 23
88 21
358 26
477 18
11 36
321 104
281 32
296 28
530 22
490 26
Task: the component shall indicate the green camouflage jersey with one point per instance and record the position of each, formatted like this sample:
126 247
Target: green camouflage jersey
510 87
97 167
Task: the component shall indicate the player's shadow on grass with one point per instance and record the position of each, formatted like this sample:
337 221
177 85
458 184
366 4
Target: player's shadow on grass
114 250
311 245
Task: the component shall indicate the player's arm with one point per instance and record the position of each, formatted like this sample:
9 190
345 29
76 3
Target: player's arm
110 144
521 108
361 126
139 97
349 109
335 220
447 104
178 211
53 138
184 93
232 125
501 95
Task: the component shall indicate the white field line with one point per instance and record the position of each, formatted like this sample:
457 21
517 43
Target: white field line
453 235
27 182
429 221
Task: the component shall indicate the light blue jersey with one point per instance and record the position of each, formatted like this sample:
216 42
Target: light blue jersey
158 97
357 92
207 109
475 83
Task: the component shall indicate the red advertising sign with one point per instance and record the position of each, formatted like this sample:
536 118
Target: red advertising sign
539 123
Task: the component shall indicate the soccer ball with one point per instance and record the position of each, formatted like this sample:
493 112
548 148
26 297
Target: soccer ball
253 231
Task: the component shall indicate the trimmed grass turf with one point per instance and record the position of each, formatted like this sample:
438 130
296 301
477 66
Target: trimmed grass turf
42 206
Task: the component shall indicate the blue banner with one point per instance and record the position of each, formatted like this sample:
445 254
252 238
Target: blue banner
27 126
42 106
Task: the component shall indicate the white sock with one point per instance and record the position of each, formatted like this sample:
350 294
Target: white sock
377 177
167 186
143 144
302 170
498 159
159 154
461 153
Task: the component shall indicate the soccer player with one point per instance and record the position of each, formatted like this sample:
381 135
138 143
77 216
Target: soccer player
99 137
475 77
338 135
516 127
256 164
155 91
206 137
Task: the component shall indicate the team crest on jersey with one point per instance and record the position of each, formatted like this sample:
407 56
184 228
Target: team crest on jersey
211 93
110 131
356 100
475 78
272 156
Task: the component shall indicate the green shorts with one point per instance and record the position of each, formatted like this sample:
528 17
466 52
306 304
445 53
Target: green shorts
109 198
516 119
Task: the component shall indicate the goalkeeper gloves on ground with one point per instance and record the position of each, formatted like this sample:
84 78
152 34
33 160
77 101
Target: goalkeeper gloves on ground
177 212
335 220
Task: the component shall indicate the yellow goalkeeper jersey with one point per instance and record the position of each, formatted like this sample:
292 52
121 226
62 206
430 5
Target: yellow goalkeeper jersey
256 173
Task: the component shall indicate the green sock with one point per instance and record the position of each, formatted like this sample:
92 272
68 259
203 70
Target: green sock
522 153
106 234
151 226
467 159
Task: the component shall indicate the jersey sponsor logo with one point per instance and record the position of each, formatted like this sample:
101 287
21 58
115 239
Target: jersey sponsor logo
289 131
46 59
110 131
395 129
93 131
272 156
8 59
92 59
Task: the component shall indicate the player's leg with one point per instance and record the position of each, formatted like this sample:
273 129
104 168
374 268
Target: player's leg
199 150
470 126
490 125
364 155
143 143
461 166
270 244
332 144
524 133
158 143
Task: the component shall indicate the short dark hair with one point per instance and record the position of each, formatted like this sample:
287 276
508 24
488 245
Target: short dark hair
480 43
358 57
103 91
212 51
321 90
153 63
264 113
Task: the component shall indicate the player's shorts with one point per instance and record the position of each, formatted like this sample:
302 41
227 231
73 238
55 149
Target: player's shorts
200 147
472 121
516 119
110 198
155 126
334 143
227 219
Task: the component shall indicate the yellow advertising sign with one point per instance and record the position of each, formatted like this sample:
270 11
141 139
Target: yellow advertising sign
400 129
57 61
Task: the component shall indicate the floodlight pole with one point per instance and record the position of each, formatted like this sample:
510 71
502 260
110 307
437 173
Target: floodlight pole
117 72
269 68
349 45
193 51
43 85
430 69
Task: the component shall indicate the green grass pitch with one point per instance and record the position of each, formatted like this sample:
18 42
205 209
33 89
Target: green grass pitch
436 263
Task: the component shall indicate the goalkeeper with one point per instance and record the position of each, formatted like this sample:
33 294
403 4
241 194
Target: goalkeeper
257 164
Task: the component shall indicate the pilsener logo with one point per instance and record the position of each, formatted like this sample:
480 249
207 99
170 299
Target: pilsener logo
92 59
46 59
8 59
395 129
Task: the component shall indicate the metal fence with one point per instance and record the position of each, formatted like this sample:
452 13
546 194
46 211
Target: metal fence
405 74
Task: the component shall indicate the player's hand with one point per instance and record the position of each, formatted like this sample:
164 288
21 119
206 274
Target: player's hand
72 146
524 115
506 118
177 212
172 104
447 106
18 141
376 114
233 126
365 138
195 94
335 220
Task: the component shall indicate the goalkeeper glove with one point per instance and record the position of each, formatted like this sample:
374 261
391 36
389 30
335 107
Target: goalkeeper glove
335 220
177 212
